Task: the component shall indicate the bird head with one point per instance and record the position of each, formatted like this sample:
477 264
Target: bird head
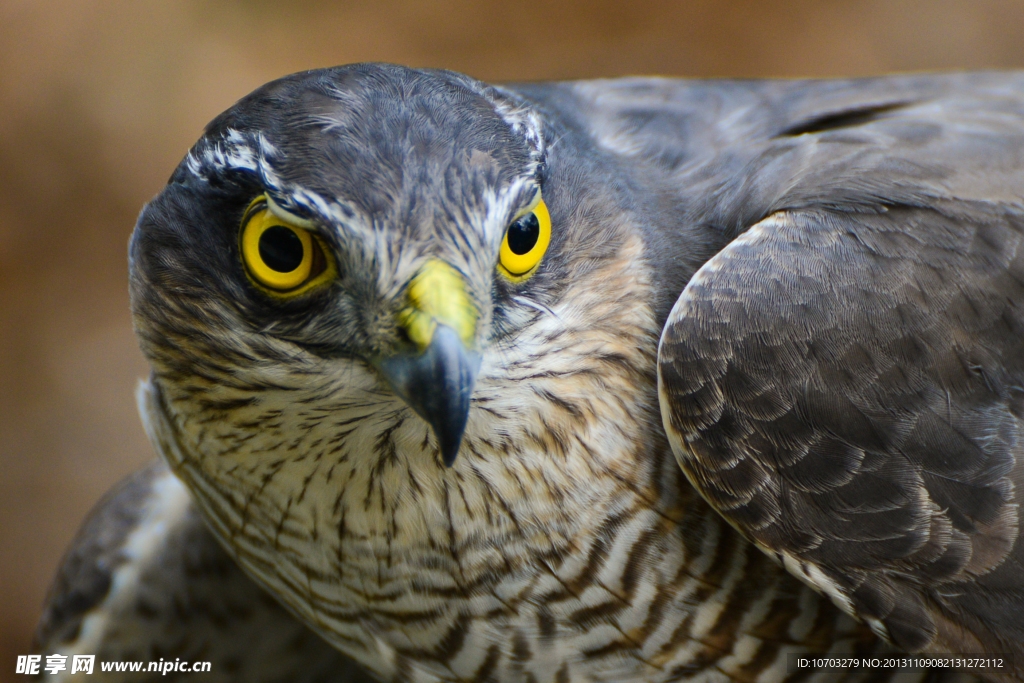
349 237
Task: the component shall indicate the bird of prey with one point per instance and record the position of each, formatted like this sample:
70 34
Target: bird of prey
621 380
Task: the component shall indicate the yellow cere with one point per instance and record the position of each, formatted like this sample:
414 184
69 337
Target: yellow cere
518 267
305 262
437 294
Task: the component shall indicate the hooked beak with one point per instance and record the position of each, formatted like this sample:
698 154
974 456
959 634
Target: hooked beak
437 380
437 385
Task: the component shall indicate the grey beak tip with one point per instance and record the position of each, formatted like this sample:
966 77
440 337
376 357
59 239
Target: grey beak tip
448 453
437 384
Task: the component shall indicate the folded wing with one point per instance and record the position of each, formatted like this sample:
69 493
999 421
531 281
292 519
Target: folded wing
847 389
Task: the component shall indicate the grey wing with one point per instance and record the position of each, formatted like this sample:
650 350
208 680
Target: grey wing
844 382
145 581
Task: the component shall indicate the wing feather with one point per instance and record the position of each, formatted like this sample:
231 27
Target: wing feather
845 388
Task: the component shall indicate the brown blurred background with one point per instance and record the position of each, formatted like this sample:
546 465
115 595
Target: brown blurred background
99 100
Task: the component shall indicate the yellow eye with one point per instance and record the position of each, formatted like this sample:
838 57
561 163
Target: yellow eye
525 242
280 256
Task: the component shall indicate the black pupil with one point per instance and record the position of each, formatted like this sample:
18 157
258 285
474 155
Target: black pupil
523 234
281 249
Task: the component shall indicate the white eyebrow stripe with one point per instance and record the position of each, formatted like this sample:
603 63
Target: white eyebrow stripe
237 151
291 218
232 151
523 120
499 205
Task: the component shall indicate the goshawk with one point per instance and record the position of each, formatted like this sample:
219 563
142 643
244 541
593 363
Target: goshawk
625 380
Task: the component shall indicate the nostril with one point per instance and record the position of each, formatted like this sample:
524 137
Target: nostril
403 336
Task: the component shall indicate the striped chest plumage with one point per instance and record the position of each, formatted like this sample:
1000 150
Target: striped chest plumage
564 545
